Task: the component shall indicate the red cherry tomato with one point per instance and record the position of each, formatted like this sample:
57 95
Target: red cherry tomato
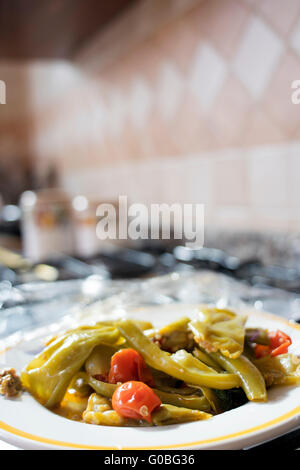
279 344
261 350
128 364
135 400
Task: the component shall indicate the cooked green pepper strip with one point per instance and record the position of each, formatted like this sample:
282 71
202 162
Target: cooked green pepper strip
186 359
80 385
48 375
212 399
168 414
179 325
257 335
142 324
193 402
280 370
205 357
175 336
102 388
215 332
198 374
98 363
183 391
252 381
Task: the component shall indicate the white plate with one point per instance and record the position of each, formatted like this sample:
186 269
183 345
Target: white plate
26 424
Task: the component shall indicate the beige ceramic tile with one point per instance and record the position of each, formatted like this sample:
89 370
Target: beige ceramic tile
257 57
277 100
268 178
294 178
281 15
231 185
261 129
178 41
197 179
233 217
222 23
229 115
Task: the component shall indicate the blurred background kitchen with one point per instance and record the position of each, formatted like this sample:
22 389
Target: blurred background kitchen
162 101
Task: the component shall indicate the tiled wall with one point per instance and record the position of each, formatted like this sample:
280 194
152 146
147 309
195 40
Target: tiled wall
257 188
200 110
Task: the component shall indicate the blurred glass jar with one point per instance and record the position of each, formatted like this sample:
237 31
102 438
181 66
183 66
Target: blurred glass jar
85 220
46 223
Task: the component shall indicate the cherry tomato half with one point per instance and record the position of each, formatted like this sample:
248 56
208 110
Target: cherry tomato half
261 351
128 364
135 400
279 344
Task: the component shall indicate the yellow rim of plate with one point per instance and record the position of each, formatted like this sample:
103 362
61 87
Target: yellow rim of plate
280 419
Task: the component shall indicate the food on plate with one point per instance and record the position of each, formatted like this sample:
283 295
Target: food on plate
10 383
129 373
135 400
